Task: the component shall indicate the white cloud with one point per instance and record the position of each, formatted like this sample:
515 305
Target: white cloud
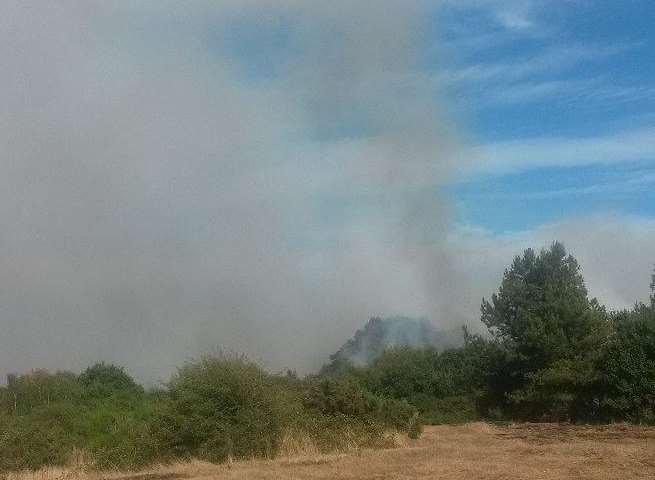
518 155
514 20
616 254
518 15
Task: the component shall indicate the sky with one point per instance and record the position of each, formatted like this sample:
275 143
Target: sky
263 176
560 96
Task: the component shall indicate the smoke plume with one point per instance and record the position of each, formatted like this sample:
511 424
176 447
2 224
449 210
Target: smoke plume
256 176
259 176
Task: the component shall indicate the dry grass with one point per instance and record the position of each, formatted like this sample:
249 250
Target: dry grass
474 451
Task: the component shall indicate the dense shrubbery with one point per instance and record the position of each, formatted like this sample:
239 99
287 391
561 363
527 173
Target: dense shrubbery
216 408
46 418
221 407
551 354
626 367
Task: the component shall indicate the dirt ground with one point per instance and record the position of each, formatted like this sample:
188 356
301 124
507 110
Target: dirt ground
474 451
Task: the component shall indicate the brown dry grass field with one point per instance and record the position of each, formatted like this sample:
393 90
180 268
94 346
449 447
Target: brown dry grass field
473 451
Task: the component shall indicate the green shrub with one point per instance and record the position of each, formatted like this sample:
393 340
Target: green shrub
103 380
398 414
448 410
401 372
46 437
340 395
626 390
38 388
119 431
221 407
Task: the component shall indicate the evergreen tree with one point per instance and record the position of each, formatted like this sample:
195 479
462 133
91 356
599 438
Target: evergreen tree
546 328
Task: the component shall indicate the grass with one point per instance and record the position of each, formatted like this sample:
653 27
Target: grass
473 452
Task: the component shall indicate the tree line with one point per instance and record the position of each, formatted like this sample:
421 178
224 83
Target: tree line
550 353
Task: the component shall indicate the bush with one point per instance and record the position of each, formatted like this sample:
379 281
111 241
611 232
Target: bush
340 395
627 368
102 380
448 410
119 432
25 392
221 407
398 414
402 372
115 432
47 437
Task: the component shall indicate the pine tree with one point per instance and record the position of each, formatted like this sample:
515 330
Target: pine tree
545 323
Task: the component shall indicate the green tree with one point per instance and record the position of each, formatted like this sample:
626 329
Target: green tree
103 380
627 365
546 329
402 372
25 392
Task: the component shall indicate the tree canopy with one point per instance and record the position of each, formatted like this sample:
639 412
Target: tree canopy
545 327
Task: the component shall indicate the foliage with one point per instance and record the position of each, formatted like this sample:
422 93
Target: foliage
103 380
627 367
347 397
46 437
551 354
115 432
402 372
547 332
441 385
24 393
221 407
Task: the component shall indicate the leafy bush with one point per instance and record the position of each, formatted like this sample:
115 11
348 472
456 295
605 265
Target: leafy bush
402 372
397 414
119 431
340 395
47 437
627 368
220 407
25 392
103 380
447 410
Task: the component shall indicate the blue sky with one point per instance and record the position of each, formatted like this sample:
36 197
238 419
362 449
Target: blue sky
558 72
523 79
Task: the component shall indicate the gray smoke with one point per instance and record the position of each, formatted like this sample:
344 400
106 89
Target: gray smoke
169 189
260 176
369 342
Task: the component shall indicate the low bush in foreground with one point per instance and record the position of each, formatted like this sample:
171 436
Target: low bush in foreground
213 409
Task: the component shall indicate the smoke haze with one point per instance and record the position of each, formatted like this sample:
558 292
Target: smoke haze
257 176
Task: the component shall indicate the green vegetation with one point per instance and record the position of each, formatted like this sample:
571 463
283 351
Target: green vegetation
551 353
215 408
